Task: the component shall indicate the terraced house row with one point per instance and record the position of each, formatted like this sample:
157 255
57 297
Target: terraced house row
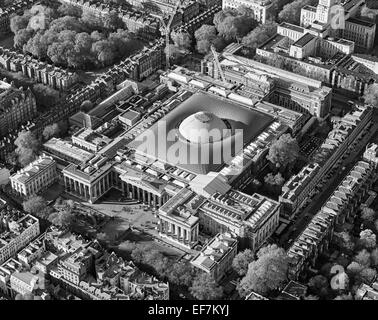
41 72
18 7
340 206
345 137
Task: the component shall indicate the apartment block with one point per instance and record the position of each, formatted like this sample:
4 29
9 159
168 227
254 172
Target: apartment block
17 106
17 230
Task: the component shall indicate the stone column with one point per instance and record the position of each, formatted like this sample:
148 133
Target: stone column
133 191
178 232
86 192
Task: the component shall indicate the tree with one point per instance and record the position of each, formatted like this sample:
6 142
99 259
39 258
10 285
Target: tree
284 151
344 240
19 296
62 219
45 95
260 34
363 258
371 95
368 239
182 40
51 131
277 6
28 296
113 22
274 182
205 36
22 37
37 206
354 268
181 274
91 20
27 147
137 253
344 297
367 276
11 158
86 106
70 41
204 287
103 52
291 12
156 260
69 10
146 254
18 23
368 13
267 273
368 214
319 285
233 24
242 260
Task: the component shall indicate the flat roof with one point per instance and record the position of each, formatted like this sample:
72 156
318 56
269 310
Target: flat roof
68 149
250 122
305 39
362 22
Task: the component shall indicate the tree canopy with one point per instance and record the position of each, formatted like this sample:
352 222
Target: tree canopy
267 273
259 35
368 239
37 206
28 147
284 151
50 131
204 287
291 12
371 95
205 37
73 39
62 219
242 261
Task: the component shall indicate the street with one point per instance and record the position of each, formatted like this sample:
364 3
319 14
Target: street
294 230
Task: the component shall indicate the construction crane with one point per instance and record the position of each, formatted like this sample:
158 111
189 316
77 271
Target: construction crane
167 30
217 64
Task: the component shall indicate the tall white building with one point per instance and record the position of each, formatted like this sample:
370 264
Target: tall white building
261 8
35 177
339 19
